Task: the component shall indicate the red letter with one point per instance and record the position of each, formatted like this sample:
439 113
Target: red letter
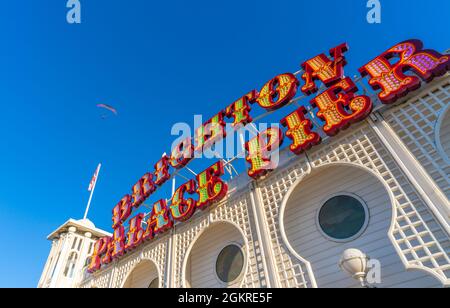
333 106
211 188
99 249
107 258
210 132
391 78
259 150
143 189
278 92
182 154
121 211
240 109
323 69
118 242
299 130
135 232
162 171
181 208
159 220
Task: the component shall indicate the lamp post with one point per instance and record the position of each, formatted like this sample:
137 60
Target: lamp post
354 262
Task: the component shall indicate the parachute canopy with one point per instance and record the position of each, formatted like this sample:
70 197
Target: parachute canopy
108 107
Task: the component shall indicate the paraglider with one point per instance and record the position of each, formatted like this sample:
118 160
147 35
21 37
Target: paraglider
107 107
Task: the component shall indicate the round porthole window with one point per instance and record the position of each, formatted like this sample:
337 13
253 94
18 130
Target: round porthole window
230 263
343 218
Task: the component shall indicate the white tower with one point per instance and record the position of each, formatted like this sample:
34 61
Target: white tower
72 245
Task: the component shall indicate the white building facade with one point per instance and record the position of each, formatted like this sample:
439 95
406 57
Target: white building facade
72 245
392 172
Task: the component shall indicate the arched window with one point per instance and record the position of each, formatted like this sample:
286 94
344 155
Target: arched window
143 275
70 266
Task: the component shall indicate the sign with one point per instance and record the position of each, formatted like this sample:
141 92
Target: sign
339 106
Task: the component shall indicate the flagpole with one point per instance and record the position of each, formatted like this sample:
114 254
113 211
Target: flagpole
92 192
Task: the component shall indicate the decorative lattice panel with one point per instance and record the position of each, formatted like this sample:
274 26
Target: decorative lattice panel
236 211
154 251
118 272
415 122
416 235
99 280
183 239
291 272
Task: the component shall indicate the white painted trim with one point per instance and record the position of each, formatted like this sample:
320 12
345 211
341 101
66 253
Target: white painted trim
195 239
283 229
139 262
390 234
413 171
266 249
113 276
59 267
168 282
408 164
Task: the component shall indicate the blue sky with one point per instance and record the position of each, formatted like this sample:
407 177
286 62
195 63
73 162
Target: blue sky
158 63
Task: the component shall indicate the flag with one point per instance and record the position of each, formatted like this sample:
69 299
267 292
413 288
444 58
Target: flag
94 178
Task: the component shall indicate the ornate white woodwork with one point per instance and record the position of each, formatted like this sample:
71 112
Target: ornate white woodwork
421 240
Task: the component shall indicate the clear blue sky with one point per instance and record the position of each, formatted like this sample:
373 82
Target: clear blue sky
158 63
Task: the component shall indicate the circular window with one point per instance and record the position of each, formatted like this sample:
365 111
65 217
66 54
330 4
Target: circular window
343 218
154 284
230 263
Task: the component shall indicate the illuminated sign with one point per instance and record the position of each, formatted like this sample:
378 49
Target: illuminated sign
339 106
